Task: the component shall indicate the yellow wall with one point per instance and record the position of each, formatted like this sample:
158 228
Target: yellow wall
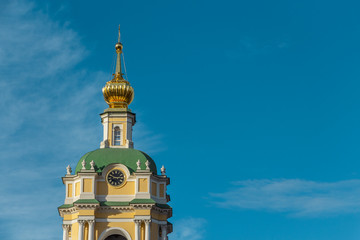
86 231
139 212
115 214
117 120
77 189
142 212
87 184
142 231
104 189
75 231
143 185
153 189
87 212
158 216
128 226
71 216
161 190
70 189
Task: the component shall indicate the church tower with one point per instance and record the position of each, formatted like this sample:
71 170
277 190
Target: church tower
115 192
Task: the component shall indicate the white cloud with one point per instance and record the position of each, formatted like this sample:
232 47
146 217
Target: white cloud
46 106
32 45
296 197
49 116
189 229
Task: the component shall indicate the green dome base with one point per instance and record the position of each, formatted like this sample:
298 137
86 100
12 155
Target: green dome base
105 156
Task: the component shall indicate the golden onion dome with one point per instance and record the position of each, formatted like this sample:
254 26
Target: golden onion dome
118 93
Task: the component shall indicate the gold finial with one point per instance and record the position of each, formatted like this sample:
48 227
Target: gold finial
118 93
118 45
119 34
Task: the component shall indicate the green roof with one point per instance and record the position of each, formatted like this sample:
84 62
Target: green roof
115 203
66 206
140 201
106 156
86 201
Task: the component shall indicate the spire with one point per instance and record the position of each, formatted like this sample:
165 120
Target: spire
118 47
118 93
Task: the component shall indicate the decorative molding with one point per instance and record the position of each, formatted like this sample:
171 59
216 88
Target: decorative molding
83 164
114 230
116 165
68 170
137 221
142 217
109 220
118 209
159 222
64 211
142 206
66 226
81 222
86 206
91 222
86 218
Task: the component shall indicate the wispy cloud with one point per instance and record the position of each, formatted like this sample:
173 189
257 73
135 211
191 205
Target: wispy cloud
49 117
148 141
46 105
189 229
33 45
296 197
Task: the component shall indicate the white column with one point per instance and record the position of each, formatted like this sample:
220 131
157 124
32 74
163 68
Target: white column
65 231
106 128
137 229
91 229
147 229
81 229
163 232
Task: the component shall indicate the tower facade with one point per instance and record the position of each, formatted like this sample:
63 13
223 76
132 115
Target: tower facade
115 192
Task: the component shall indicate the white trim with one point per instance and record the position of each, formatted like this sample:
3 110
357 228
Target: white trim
158 222
136 185
70 221
140 217
86 218
114 230
74 190
159 200
116 165
108 220
92 182
121 127
124 198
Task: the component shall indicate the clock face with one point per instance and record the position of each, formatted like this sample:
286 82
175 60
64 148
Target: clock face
116 177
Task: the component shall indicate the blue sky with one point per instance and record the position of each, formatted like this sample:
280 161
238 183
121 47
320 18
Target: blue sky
252 106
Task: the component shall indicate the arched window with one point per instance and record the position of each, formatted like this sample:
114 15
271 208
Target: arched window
117 136
115 237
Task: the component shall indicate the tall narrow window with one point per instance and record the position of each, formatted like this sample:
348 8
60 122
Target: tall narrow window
117 136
